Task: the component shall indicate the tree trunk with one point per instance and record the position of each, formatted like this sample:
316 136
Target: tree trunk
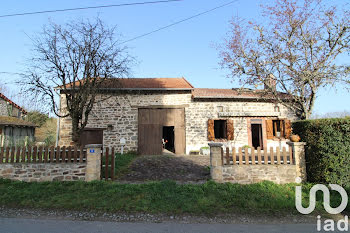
75 131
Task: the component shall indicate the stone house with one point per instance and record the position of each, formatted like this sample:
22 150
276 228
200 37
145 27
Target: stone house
145 112
14 130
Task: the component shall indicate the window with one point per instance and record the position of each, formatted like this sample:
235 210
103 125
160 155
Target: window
220 129
278 128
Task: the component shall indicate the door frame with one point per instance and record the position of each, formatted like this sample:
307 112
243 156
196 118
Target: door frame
260 136
257 120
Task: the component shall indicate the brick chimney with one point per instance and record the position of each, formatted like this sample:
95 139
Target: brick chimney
270 82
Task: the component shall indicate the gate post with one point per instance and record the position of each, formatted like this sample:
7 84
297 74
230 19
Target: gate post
215 161
298 149
93 162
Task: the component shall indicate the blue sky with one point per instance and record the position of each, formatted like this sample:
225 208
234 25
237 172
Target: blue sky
183 50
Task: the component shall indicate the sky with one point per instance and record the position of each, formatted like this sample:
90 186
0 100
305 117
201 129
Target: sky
184 50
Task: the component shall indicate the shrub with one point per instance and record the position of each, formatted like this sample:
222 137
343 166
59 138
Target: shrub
327 149
50 140
37 118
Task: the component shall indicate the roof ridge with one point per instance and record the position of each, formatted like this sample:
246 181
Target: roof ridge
144 83
231 89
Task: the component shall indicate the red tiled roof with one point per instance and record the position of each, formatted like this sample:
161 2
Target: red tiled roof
208 93
146 83
12 103
152 83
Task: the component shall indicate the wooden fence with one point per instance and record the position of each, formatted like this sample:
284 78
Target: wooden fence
108 164
257 157
42 154
58 155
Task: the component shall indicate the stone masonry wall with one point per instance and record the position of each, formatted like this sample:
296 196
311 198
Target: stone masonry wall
43 171
121 111
253 173
247 174
199 112
4 109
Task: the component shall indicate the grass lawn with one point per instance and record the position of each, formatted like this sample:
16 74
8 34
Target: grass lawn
156 197
122 163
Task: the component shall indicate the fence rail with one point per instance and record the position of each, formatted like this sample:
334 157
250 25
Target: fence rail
243 156
42 154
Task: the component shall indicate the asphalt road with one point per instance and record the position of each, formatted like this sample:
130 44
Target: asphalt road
18 225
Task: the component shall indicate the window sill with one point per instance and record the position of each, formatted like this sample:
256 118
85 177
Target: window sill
220 140
278 139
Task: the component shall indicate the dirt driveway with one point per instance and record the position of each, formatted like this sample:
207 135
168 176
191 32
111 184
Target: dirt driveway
161 167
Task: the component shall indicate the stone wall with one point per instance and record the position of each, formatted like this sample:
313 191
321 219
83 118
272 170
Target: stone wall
121 112
199 112
253 173
4 109
247 174
43 171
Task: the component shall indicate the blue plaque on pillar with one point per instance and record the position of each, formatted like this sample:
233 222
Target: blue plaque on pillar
92 150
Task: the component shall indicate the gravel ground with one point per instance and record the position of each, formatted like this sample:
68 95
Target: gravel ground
183 169
17 225
6 212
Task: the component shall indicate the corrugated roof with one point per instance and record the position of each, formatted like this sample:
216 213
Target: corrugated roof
232 93
5 120
146 83
12 103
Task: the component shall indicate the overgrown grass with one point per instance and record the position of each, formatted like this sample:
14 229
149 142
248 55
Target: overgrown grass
155 197
122 163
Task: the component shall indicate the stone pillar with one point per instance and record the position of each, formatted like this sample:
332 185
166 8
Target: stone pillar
298 149
216 162
93 162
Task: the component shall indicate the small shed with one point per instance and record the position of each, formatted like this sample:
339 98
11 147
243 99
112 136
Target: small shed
15 131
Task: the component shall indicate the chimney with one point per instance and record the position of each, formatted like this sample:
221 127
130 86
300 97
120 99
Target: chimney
270 82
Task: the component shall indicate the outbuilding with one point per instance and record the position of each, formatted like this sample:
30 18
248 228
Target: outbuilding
16 132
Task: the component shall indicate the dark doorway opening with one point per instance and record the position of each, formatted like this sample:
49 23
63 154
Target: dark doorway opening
257 139
168 137
220 129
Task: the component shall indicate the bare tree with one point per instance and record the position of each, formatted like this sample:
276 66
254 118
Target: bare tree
72 62
296 48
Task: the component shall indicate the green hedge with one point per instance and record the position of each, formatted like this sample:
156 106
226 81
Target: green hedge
327 149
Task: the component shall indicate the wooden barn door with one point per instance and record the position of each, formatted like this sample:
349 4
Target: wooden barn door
150 129
149 132
180 132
